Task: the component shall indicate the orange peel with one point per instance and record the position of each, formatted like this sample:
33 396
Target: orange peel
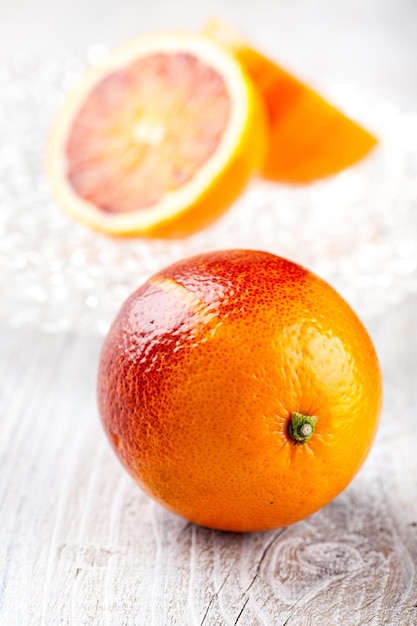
309 137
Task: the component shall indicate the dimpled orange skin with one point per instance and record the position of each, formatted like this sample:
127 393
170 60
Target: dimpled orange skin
199 376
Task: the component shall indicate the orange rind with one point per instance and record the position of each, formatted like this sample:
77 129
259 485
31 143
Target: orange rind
310 138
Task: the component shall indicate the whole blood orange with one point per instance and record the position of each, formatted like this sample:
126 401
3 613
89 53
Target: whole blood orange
160 139
239 390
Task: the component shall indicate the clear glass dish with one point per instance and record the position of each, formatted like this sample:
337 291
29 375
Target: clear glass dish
357 229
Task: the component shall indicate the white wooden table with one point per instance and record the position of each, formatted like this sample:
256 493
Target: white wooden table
79 543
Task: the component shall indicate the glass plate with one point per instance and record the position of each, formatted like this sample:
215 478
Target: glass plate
357 229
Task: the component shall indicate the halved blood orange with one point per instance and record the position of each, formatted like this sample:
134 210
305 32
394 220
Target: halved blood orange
309 137
159 140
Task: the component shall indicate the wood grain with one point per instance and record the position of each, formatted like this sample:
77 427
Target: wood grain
80 544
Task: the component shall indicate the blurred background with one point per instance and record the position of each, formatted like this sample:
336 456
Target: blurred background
369 43
357 229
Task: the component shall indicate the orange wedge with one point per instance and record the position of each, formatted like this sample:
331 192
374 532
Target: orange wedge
310 139
159 140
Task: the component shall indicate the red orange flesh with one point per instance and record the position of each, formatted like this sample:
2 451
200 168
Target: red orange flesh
160 140
125 153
